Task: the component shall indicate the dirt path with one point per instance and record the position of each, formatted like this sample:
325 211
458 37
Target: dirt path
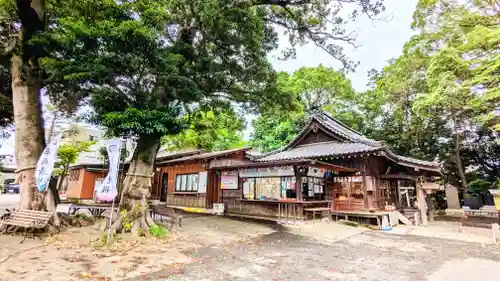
369 256
70 256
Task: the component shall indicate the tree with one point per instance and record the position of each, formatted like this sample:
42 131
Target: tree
142 64
311 88
390 112
21 24
212 130
67 155
271 132
56 118
103 151
444 87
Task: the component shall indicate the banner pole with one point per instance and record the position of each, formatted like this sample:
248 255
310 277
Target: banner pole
110 221
113 201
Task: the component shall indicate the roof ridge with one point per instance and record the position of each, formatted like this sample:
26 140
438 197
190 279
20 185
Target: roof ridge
341 123
359 138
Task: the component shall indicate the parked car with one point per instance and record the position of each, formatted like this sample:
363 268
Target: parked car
10 186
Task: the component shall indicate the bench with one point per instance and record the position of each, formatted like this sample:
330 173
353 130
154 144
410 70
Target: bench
95 210
481 213
5 213
319 209
27 219
165 211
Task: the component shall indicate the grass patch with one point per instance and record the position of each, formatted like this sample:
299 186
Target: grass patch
158 231
349 223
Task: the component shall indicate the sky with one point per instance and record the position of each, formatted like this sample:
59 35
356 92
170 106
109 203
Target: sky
378 41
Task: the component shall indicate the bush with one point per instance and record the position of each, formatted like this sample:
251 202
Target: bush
83 216
158 231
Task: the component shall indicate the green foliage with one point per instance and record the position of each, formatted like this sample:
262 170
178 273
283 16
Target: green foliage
127 220
273 131
140 62
211 130
311 88
441 94
103 151
83 216
67 154
158 231
103 240
479 187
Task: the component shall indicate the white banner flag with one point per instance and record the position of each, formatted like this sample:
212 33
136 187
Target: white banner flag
108 190
45 164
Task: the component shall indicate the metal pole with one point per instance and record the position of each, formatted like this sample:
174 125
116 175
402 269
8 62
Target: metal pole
113 202
110 221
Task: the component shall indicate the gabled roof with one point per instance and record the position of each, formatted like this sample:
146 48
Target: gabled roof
321 149
348 142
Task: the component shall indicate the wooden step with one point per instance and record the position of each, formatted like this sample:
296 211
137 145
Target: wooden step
402 218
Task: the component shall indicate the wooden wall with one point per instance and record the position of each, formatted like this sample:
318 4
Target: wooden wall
75 185
83 187
175 198
312 137
192 199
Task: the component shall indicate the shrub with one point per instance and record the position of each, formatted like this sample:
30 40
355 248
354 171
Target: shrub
158 231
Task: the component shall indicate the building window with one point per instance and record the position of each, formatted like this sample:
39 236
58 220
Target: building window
186 183
74 175
270 188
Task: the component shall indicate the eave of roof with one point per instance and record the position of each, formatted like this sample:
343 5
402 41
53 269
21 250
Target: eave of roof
284 163
321 149
356 143
204 156
174 154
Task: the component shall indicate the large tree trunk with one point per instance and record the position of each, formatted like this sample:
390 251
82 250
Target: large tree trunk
137 189
30 139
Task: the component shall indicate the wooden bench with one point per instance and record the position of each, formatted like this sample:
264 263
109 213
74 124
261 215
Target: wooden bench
27 219
481 213
5 213
319 209
165 211
95 210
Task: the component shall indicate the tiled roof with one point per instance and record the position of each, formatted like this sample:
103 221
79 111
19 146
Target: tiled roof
206 155
352 142
403 160
343 130
174 154
331 148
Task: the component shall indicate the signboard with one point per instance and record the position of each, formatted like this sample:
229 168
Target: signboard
108 190
202 182
282 171
316 172
45 164
229 182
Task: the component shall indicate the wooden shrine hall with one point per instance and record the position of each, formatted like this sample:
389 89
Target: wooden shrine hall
328 165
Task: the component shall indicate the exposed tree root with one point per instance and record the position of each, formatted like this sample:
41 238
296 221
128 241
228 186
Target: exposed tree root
134 215
22 251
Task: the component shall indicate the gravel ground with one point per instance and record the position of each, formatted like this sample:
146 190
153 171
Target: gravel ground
366 256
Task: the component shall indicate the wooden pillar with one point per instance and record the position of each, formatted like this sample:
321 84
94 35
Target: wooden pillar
421 203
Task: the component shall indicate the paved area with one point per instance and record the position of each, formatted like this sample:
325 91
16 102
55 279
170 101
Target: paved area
8 201
371 256
212 248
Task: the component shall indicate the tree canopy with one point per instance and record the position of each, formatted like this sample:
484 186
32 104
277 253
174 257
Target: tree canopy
144 65
210 130
440 97
311 88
